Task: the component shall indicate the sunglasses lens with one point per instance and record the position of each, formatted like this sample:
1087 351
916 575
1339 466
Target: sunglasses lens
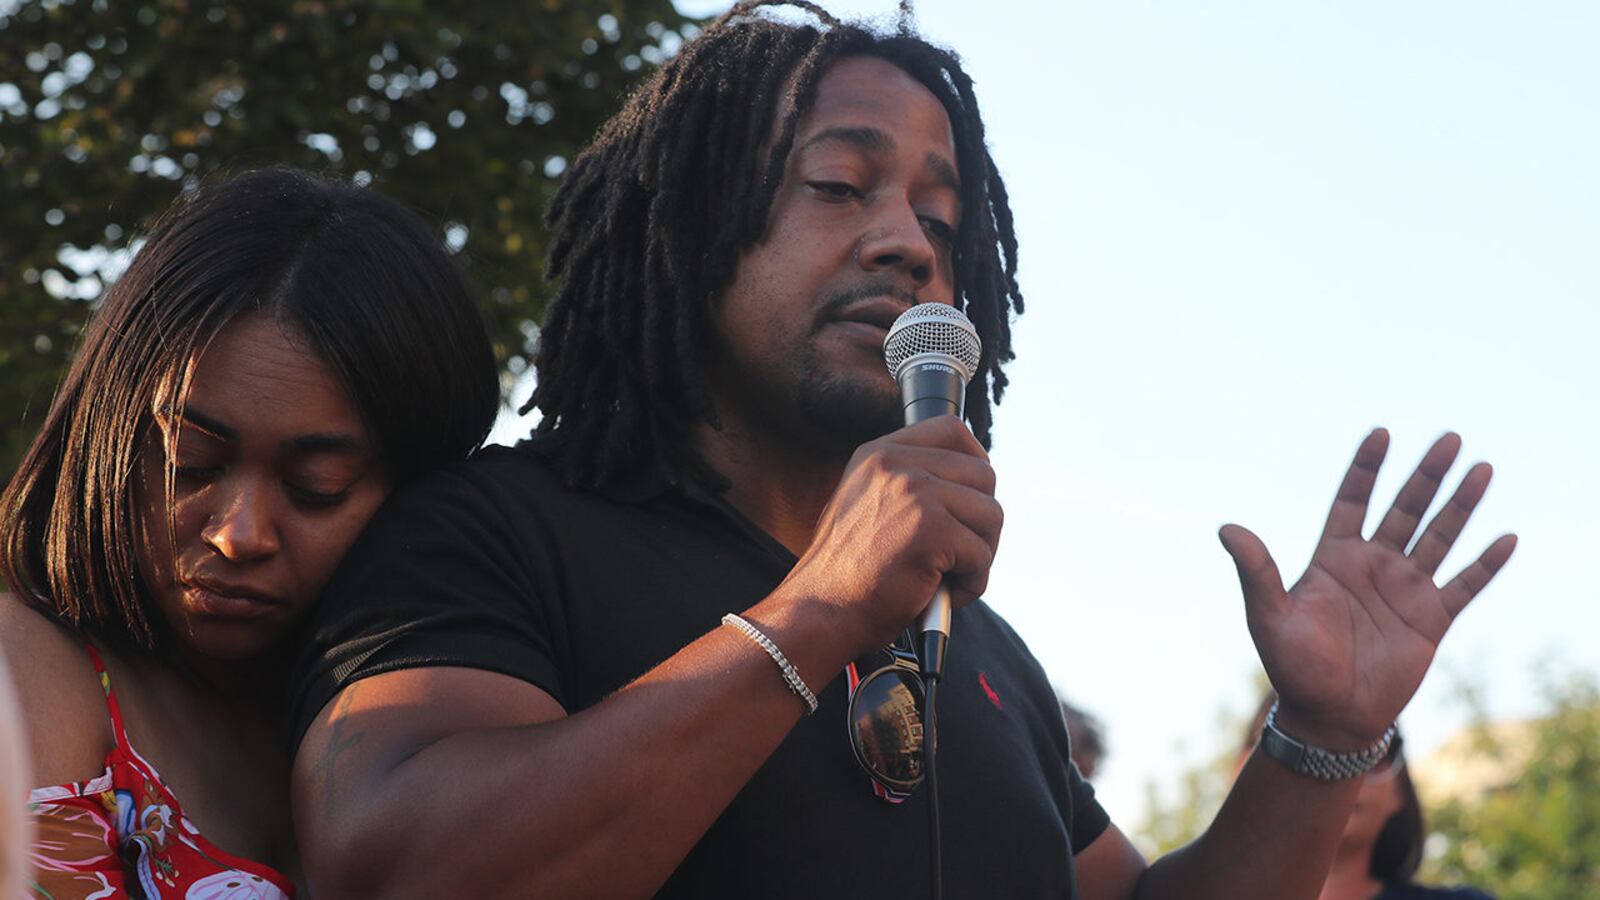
886 726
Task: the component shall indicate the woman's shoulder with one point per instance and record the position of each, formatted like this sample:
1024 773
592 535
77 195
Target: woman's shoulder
62 705
39 649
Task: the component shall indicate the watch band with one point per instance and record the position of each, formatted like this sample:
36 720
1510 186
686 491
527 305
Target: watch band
1315 762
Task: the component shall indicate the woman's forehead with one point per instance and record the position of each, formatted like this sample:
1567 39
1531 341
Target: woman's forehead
258 374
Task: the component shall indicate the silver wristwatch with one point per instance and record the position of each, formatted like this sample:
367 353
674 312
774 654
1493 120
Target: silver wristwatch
1323 765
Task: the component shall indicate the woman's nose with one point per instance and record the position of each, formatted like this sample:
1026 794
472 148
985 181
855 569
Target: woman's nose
242 529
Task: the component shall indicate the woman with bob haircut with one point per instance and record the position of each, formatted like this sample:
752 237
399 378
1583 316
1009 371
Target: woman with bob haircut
280 354
1381 848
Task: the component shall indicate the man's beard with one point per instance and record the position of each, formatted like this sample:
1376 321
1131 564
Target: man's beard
844 412
805 402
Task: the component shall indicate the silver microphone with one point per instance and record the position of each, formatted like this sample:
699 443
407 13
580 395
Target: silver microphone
933 351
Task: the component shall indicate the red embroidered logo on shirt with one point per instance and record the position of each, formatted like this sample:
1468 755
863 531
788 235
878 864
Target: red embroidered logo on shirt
983 682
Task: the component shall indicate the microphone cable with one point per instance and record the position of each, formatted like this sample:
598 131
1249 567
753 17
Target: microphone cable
930 773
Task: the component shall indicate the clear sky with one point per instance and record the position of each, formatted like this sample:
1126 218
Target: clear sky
1251 231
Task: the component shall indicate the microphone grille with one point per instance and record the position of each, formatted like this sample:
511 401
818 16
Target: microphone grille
932 328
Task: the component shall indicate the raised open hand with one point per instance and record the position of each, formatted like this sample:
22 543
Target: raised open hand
1347 646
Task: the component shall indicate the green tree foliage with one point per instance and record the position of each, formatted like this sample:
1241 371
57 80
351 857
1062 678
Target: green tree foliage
466 111
1530 831
1174 818
1537 835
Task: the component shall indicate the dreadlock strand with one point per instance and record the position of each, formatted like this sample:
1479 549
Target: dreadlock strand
747 7
801 87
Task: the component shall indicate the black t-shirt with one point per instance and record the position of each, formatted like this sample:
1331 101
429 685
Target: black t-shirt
494 564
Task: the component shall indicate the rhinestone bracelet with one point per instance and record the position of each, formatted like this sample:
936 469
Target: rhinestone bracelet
790 675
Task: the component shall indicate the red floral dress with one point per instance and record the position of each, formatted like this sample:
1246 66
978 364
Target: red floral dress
123 834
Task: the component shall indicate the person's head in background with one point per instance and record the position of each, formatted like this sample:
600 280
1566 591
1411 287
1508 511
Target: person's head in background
281 351
1086 738
1383 838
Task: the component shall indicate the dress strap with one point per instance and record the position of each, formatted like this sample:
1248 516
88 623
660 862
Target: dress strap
118 734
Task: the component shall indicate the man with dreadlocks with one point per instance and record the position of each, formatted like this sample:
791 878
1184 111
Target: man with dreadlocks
518 684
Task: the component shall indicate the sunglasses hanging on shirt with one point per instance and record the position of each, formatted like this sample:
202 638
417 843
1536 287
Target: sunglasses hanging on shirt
885 719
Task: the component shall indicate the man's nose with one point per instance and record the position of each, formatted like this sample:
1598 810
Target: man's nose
243 528
898 242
